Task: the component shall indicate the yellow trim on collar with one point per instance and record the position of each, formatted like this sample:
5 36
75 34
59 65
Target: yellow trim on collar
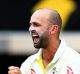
41 64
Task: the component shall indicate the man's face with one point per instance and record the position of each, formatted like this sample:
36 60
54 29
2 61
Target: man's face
39 29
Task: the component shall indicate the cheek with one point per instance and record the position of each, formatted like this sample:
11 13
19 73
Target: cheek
42 30
40 33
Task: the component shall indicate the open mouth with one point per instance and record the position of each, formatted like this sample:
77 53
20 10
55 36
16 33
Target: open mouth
36 38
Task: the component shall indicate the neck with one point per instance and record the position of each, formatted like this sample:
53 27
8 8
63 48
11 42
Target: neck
49 52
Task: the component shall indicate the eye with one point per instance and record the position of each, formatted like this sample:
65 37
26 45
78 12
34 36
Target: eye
35 24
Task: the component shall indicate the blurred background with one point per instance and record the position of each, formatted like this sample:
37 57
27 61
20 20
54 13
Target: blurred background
15 41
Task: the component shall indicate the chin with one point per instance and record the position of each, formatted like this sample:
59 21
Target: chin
37 46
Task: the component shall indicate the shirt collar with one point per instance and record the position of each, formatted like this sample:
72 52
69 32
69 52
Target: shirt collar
38 54
58 53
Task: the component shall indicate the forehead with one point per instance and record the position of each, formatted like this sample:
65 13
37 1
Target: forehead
41 15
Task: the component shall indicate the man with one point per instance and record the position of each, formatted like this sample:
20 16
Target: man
54 56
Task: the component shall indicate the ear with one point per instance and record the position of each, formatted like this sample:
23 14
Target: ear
54 29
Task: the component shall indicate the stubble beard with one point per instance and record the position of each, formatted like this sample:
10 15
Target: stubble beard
43 41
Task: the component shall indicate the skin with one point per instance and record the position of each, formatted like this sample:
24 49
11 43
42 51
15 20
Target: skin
51 32
14 70
45 34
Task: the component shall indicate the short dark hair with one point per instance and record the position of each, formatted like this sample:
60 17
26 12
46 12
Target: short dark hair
55 18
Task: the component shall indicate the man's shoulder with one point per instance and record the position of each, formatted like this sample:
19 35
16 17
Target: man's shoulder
72 52
30 59
71 55
27 63
68 52
72 59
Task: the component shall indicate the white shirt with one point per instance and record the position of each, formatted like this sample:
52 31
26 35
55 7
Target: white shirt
65 61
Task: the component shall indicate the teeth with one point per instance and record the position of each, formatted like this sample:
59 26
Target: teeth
36 40
35 35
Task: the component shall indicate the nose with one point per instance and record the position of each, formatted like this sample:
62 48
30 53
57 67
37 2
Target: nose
31 28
